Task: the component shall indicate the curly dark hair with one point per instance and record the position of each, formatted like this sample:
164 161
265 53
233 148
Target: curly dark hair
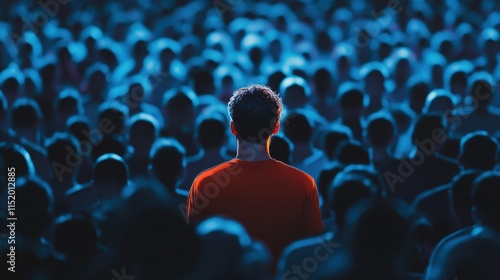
255 111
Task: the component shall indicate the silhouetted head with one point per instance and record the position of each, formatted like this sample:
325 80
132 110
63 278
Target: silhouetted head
255 113
378 239
16 156
36 211
179 106
478 150
68 103
439 101
281 148
429 127
110 172
344 192
380 130
76 237
25 114
160 244
168 162
144 130
332 139
63 150
211 132
352 100
323 80
275 79
481 91
297 127
295 92
352 152
418 92
111 117
106 144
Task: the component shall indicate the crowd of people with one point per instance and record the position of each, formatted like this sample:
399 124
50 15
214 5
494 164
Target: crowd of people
109 110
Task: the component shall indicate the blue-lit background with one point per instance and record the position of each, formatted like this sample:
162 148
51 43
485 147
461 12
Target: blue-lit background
110 109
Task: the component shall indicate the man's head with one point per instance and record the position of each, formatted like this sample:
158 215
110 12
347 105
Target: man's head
168 162
380 130
478 150
255 113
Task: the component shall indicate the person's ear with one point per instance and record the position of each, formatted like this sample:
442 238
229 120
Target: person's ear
233 129
276 128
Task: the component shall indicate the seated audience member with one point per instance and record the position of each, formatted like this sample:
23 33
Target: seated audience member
64 158
374 75
143 131
478 115
425 168
109 144
111 177
253 180
168 165
418 91
353 103
179 112
345 191
112 118
155 243
211 135
135 99
67 104
95 86
27 121
440 101
13 156
401 64
79 127
281 148
478 152
228 252
324 93
376 243
474 252
76 237
379 134
348 152
296 95
297 127
332 138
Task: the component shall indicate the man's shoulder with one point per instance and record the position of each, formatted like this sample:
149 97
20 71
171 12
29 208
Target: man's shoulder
269 168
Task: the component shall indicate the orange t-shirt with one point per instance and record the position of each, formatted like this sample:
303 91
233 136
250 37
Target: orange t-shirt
276 203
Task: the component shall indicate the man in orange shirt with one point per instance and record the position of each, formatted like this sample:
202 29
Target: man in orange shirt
275 202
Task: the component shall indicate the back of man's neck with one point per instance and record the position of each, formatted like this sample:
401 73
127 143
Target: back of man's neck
252 152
